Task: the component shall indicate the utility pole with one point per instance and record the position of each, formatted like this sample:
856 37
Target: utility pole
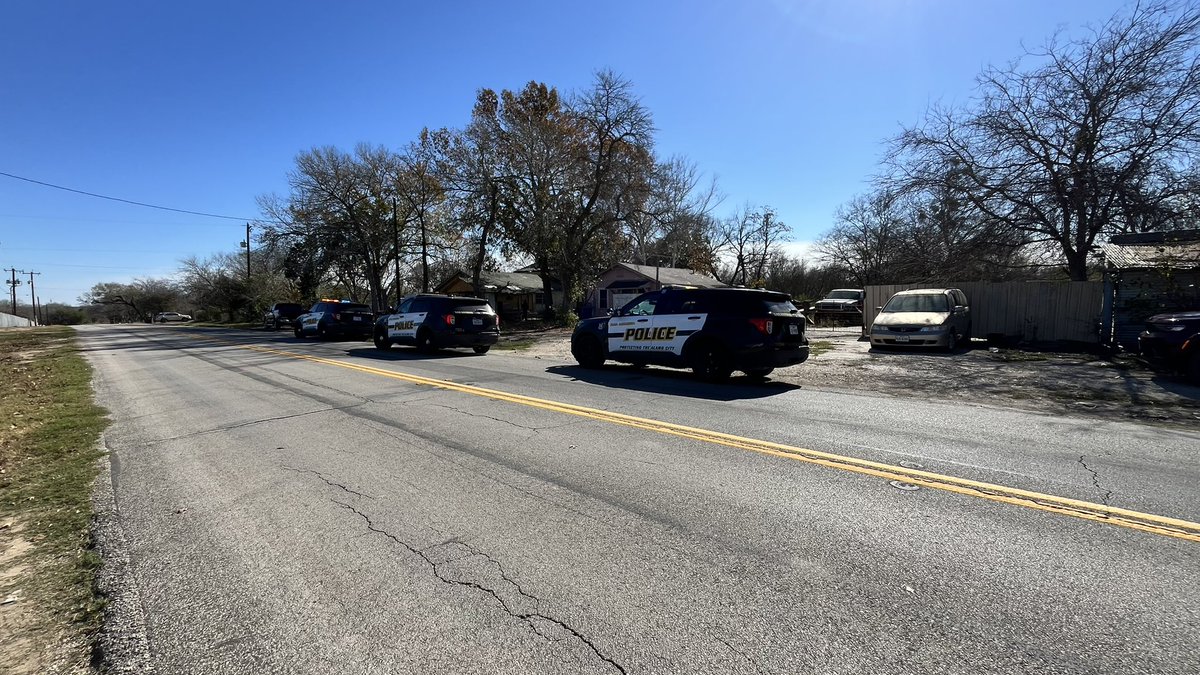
247 254
12 288
32 297
396 243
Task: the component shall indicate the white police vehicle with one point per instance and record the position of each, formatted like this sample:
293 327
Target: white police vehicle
430 322
713 331
330 318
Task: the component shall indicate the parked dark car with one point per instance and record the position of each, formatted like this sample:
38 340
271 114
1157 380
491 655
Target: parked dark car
282 314
713 331
336 318
430 322
1173 341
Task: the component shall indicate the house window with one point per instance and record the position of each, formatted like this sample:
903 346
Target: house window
539 299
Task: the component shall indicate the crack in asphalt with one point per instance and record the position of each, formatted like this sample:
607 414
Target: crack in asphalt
498 419
331 483
239 425
739 652
531 618
1096 481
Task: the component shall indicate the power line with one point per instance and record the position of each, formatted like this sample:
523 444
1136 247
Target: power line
126 201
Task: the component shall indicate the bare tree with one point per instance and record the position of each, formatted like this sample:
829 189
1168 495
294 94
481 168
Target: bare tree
748 239
865 239
1098 136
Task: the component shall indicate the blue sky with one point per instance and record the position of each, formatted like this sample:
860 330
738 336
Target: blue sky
204 105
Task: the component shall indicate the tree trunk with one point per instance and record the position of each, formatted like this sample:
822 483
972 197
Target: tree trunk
485 232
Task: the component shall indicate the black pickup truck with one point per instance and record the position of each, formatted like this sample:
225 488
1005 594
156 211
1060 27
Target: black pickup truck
282 314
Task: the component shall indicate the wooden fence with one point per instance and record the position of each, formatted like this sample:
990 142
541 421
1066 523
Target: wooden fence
1031 311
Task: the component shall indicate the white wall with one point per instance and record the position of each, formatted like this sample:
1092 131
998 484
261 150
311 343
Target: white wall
10 321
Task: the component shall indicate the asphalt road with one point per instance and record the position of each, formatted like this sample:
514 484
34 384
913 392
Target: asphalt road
287 506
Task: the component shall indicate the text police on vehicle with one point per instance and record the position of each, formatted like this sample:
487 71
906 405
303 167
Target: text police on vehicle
335 318
713 331
431 322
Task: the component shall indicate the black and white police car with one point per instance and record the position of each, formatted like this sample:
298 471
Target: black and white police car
335 318
430 322
713 331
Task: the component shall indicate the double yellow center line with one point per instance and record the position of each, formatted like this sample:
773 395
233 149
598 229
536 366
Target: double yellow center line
1146 522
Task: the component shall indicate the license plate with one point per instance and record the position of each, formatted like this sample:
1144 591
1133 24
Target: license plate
477 322
794 329
902 338
358 318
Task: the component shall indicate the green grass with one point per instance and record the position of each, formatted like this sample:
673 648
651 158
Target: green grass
48 454
819 347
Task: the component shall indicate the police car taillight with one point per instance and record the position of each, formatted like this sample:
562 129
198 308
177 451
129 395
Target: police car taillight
497 321
449 319
764 326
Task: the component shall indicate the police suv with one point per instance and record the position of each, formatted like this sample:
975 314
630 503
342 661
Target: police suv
431 322
335 318
713 331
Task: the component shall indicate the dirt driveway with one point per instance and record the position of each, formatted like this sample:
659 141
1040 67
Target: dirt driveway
1119 388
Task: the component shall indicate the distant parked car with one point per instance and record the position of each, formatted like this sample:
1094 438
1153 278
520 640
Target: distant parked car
282 314
840 303
1173 340
335 318
164 317
924 317
430 322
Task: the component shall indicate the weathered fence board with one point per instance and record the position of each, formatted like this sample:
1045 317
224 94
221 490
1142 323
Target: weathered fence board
11 321
1033 311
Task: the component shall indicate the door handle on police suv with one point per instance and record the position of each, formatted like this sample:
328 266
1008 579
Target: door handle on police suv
642 320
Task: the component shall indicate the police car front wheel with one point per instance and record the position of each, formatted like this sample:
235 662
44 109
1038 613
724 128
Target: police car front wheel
588 351
381 342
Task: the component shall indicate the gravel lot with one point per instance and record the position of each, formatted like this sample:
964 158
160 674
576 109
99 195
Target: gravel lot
1054 382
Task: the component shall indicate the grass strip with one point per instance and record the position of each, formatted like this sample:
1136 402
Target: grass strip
819 347
49 427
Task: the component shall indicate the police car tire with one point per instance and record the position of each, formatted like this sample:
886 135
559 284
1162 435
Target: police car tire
321 332
588 352
425 341
711 363
481 349
297 332
759 373
382 342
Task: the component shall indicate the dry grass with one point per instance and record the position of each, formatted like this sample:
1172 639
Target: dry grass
48 451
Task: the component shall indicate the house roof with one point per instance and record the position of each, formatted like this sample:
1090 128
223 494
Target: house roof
1179 249
673 275
503 282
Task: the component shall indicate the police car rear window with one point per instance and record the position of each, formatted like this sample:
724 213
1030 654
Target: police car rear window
780 306
351 307
469 303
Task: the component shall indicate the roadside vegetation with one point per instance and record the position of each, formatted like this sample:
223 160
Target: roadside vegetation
48 461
